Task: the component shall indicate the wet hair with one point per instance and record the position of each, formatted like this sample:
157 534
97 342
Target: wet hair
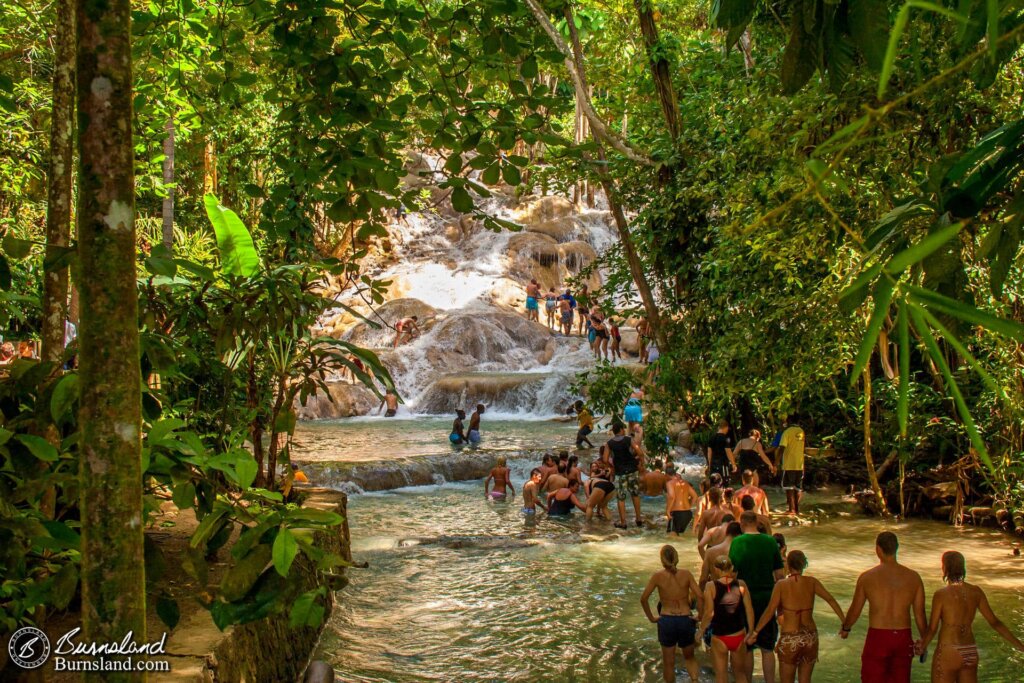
727 493
781 540
578 405
796 561
547 458
535 471
295 466
733 530
747 502
715 496
480 407
461 414
657 464
727 517
705 485
887 543
562 467
500 461
723 424
672 471
954 567
747 476
716 479
563 455
574 460
724 564
617 428
748 518
669 558
574 484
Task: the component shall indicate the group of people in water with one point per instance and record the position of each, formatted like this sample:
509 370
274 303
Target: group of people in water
752 593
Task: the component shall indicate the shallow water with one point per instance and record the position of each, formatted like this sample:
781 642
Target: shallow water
463 589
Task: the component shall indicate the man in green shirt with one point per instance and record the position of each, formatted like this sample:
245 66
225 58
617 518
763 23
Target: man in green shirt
792 445
758 563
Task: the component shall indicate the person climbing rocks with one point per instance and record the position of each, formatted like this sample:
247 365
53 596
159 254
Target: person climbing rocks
551 308
643 333
406 329
585 422
583 303
567 311
473 435
616 339
532 301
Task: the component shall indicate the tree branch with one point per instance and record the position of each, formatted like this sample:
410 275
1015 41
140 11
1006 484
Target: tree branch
597 125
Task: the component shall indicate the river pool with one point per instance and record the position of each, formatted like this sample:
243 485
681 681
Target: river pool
462 589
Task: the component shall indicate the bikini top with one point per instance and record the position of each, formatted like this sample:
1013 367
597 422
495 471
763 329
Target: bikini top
729 616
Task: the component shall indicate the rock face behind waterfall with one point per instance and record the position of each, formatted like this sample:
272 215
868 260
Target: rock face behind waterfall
466 286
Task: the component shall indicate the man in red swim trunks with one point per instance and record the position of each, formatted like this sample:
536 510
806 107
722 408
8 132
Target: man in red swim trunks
891 591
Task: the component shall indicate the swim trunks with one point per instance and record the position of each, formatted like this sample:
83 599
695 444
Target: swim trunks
582 434
676 631
887 656
567 317
627 486
473 436
679 520
592 335
531 303
798 647
390 413
793 479
529 511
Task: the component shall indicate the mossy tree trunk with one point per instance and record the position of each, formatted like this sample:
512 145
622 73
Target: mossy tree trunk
113 578
58 190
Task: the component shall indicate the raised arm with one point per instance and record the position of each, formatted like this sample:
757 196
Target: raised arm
856 607
997 626
644 600
822 592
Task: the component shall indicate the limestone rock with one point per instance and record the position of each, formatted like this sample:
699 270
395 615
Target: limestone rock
346 400
535 211
390 312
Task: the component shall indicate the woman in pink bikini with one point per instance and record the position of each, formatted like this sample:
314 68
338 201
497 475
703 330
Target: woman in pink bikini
793 599
729 612
502 477
953 610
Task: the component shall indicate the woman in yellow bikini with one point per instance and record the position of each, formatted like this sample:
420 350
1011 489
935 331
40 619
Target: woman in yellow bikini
953 610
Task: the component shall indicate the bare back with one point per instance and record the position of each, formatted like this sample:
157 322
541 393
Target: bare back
674 591
681 495
957 605
556 481
530 494
891 591
796 602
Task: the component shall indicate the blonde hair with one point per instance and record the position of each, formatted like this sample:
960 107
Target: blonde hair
501 461
724 564
669 558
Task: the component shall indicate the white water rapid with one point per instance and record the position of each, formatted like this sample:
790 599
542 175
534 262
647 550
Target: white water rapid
466 285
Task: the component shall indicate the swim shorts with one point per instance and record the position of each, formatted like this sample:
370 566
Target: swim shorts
567 318
793 479
389 413
529 511
679 521
582 434
676 631
531 303
627 486
634 412
798 647
887 656
592 335
473 436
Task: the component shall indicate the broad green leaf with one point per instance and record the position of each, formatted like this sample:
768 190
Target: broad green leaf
800 58
162 428
65 581
63 533
306 611
246 470
461 201
511 174
184 495
207 527
238 254
39 447
285 549
492 174
16 248
316 516
243 574
161 266
167 610
64 396
869 25
883 297
917 253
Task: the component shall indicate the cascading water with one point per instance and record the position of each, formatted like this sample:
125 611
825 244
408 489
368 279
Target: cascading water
465 284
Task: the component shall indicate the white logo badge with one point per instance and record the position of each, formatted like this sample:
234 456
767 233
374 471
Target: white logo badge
29 648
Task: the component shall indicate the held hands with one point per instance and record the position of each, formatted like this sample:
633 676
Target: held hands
653 619
844 633
752 638
918 648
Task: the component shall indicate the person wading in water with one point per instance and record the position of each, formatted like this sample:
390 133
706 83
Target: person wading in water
676 626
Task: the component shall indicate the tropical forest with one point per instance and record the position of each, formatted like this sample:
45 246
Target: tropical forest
419 340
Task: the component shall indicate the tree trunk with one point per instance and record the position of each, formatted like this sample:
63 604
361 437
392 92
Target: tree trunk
660 71
113 578
58 190
167 211
872 475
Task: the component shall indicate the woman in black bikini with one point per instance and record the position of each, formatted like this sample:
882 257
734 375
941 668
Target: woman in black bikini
751 456
729 612
953 610
599 490
562 501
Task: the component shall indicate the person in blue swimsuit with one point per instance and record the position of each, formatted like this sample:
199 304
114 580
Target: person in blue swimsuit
458 435
532 305
634 412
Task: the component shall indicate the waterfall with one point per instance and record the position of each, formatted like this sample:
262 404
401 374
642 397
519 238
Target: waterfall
465 284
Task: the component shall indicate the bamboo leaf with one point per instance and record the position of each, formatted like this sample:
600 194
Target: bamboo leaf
889 62
992 27
968 313
918 252
954 389
958 346
855 294
903 391
883 297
